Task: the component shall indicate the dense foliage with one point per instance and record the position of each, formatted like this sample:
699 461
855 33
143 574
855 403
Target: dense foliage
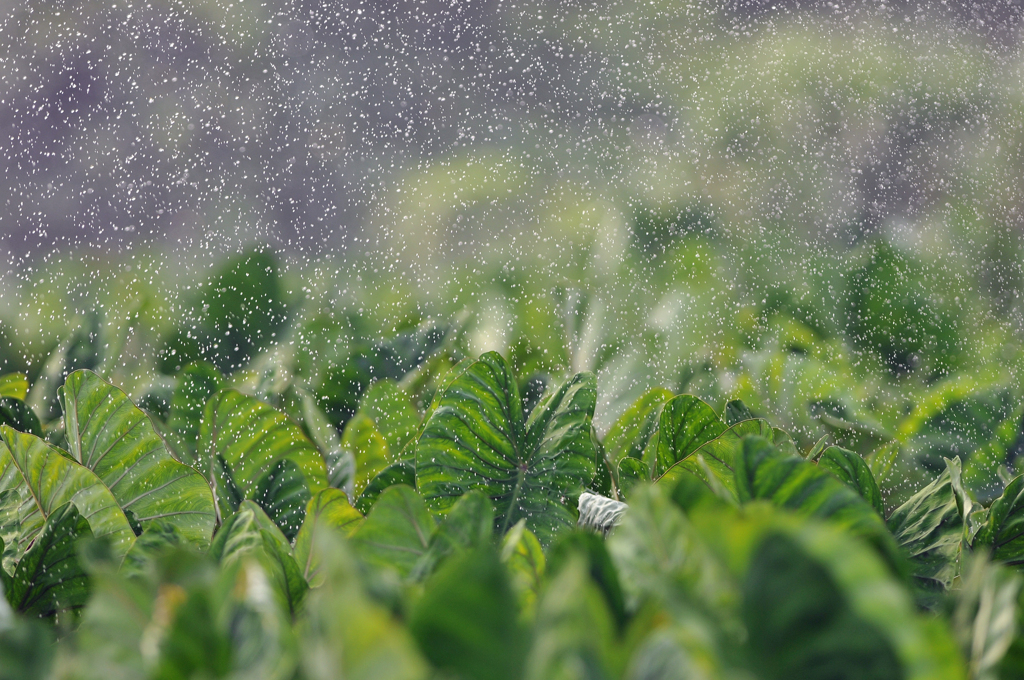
418 511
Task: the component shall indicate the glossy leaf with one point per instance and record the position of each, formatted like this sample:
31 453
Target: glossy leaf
244 532
849 468
1003 532
524 558
985 615
477 439
628 437
341 464
112 437
41 478
283 494
717 457
194 386
393 413
251 438
369 450
328 510
686 424
468 525
49 579
736 411
401 472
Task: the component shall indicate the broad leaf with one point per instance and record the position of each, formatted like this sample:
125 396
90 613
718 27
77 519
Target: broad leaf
109 435
631 472
244 532
469 525
283 495
49 579
158 537
686 424
524 558
396 534
628 437
464 621
285 576
735 412
930 530
391 410
195 384
41 478
801 624
985 615
477 439
368 448
341 464
251 438
327 510
717 457
791 482
18 415
850 469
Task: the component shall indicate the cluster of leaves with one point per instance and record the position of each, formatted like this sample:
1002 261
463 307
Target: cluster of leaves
481 534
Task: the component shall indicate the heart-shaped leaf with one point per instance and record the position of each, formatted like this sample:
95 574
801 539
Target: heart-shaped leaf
402 472
41 478
478 438
49 578
115 439
628 437
251 438
717 457
686 424
283 495
396 534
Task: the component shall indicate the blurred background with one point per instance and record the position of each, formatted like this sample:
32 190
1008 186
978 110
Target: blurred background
815 207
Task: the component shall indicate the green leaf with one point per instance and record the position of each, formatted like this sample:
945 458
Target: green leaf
524 558
109 435
628 437
392 412
985 615
327 510
594 552
251 438
42 478
369 450
341 464
283 495
463 623
686 424
244 532
156 538
19 416
718 456
800 623
195 384
468 525
49 579
930 530
736 411
791 482
631 472
285 576
477 439
14 385
850 469
1003 533
401 472
396 534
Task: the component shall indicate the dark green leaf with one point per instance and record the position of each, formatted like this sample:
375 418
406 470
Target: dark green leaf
628 437
19 416
717 457
402 472
631 472
477 439
736 411
1003 533
49 579
465 623
195 384
328 510
849 468
469 524
283 494
285 576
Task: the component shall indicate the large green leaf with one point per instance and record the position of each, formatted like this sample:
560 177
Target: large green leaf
524 558
396 534
628 437
195 384
468 525
714 461
41 478
244 532
328 510
985 615
402 472
477 438
801 624
341 464
283 495
109 435
368 448
49 579
1003 533
791 482
849 468
930 530
241 439
686 424
465 622
391 410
